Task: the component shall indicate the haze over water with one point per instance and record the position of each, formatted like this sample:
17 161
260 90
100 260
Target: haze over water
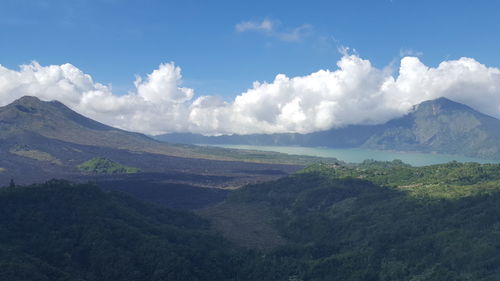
355 155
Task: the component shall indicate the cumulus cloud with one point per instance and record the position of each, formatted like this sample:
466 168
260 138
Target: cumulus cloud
161 86
157 105
355 92
270 28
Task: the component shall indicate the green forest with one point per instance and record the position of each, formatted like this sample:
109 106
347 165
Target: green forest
388 221
373 221
100 165
64 231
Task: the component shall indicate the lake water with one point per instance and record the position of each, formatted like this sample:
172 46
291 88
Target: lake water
359 155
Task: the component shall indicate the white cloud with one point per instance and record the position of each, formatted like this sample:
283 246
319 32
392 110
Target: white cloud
410 53
159 104
354 93
264 25
271 29
161 86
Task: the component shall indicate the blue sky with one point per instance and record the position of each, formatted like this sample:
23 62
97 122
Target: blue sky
114 40
190 66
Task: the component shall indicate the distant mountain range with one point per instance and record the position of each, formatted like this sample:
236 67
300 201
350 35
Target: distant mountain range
435 126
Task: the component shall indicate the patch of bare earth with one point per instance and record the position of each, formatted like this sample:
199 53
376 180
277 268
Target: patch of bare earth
246 225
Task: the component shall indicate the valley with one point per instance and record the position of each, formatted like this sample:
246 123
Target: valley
372 221
92 202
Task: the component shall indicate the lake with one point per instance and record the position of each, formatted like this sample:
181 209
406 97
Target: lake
356 155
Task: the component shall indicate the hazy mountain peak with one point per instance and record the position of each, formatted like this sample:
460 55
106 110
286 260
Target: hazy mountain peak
441 100
27 100
27 104
35 102
436 106
30 113
55 120
443 126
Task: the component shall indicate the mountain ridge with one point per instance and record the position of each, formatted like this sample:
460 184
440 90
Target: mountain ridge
441 126
435 126
30 116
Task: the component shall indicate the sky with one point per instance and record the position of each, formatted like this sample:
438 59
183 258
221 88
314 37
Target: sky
222 67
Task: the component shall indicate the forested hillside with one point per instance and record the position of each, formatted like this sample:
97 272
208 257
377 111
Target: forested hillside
375 221
433 223
62 231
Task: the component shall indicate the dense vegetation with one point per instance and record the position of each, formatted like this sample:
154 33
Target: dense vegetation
444 227
63 231
374 221
399 174
100 165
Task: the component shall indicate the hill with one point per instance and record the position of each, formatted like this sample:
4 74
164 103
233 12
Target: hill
29 118
62 231
100 165
438 126
382 221
424 223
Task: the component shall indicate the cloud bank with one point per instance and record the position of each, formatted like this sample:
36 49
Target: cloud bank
355 92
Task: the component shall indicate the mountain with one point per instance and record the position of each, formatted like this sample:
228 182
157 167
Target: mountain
441 126
438 126
377 221
29 119
41 140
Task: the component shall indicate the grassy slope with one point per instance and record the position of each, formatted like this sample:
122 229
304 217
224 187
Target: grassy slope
408 178
29 152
